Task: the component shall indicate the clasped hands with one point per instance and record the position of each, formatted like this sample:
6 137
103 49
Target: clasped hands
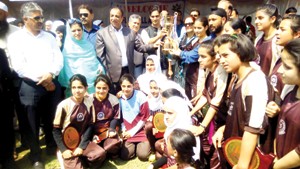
46 82
67 154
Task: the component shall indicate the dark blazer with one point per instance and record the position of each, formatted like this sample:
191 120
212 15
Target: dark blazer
108 50
7 109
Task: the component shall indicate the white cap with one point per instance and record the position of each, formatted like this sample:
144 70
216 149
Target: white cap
3 7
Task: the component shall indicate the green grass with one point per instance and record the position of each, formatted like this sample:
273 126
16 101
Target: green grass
51 162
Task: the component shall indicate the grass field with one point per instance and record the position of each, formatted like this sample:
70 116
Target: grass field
51 162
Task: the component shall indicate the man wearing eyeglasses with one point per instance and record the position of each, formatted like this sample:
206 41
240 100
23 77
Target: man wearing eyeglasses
37 59
135 25
86 16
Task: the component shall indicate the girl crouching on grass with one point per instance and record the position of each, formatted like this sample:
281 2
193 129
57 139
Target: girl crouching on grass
77 112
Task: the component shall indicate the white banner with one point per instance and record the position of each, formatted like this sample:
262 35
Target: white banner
143 9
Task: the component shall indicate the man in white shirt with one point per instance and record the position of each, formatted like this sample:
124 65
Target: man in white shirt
37 59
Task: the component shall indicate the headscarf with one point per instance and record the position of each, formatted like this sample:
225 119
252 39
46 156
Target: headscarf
3 7
168 84
79 57
155 103
144 79
62 29
182 120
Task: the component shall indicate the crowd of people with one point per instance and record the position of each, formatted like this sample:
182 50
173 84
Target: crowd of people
98 91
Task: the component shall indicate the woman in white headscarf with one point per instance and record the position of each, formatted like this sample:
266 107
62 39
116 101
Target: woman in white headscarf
153 71
176 116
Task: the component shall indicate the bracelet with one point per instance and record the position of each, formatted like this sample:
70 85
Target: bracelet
202 125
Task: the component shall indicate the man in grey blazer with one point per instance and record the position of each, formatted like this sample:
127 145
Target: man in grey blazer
115 46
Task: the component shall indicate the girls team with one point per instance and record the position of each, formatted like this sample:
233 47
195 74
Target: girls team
237 99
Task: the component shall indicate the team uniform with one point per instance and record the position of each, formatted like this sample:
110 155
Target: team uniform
107 113
269 53
215 91
247 106
275 77
287 134
134 113
81 117
246 110
155 105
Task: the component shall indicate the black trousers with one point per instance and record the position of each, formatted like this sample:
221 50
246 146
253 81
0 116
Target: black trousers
38 104
116 85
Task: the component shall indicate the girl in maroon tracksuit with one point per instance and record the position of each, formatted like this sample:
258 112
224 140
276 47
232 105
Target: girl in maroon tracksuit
77 112
288 128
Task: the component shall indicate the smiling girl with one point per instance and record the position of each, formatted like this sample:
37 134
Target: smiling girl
77 111
134 113
107 115
266 20
153 70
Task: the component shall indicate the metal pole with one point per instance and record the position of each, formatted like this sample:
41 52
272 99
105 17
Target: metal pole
70 9
126 12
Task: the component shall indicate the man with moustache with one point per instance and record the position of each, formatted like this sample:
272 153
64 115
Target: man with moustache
37 59
216 21
115 46
86 16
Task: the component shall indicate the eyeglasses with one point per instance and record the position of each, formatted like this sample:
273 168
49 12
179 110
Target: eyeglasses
195 16
37 18
189 24
74 20
83 14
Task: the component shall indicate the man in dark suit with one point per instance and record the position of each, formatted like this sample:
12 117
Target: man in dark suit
115 46
7 114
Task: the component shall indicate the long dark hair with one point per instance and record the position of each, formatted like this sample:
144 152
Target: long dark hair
183 142
171 92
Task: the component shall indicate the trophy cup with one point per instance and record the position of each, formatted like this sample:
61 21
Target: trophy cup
169 42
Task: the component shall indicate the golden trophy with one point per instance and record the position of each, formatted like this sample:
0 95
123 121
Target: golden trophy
169 41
